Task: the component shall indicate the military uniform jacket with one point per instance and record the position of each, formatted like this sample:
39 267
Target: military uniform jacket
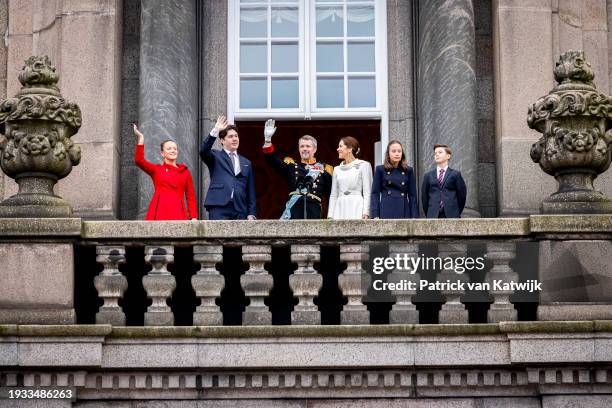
294 172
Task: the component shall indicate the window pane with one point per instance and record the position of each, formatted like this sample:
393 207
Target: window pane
360 21
253 22
253 58
284 22
285 93
329 22
285 58
362 92
330 92
253 93
361 57
330 57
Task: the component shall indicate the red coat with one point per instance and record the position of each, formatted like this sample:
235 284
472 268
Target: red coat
172 184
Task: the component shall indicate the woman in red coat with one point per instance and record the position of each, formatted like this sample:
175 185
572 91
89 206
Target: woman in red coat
172 183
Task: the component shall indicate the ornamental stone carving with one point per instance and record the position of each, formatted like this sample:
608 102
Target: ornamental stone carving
575 147
37 150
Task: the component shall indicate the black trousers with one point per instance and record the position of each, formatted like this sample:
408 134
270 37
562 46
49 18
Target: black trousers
441 213
313 209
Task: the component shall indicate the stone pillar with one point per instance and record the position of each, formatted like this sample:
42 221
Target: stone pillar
447 89
305 284
207 284
404 311
400 76
159 285
168 101
256 283
110 284
453 311
523 58
83 38
353 283
501 253
576 280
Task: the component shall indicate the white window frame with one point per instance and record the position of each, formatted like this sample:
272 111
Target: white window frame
307 69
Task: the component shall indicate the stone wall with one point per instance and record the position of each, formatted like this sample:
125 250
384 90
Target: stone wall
528 37
83 40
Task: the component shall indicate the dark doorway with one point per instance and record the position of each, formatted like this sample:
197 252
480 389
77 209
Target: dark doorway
271 188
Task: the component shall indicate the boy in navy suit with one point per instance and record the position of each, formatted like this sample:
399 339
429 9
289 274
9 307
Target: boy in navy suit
443 191
231 194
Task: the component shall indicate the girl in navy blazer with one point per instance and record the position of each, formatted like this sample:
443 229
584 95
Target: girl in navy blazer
394 193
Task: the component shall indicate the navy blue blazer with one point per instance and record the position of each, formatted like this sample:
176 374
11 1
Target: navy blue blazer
394 193
452 194
223 180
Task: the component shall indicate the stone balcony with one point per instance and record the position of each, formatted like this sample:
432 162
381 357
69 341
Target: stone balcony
275 313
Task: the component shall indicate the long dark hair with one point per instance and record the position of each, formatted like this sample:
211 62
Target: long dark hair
402 163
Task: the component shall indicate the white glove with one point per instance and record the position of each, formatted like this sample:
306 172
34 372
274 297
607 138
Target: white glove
269 132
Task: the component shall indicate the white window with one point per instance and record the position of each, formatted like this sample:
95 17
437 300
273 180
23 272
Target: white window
303 59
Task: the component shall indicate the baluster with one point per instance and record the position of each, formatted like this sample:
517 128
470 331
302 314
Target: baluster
207 284
256 283
305 283
353 283
453 311
110 284
159 285
501 253
404 311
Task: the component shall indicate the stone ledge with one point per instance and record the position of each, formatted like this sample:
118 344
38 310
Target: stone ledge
40 227
570 223
305 229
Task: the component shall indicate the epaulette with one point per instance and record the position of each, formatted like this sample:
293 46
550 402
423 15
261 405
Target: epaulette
288 160
329 169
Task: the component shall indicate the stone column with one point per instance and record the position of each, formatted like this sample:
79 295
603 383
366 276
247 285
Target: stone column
305 283
110 284
447 89
168 99
501 253
207 284
453 311
404 311
400 76
256 283
159 285
83 38
352 283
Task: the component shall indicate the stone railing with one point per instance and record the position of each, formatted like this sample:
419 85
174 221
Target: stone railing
300 272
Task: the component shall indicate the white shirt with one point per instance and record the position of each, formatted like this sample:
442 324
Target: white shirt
236 160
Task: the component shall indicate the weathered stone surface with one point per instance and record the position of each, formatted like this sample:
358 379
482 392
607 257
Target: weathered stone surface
159 284
403 311
39 227
256 283
353 283
453 311
501 253
207 284
168 98
110 284
574 147
447 89
37 283
305 283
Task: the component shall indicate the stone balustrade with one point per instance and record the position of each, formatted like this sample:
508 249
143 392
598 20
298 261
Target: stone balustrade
298 272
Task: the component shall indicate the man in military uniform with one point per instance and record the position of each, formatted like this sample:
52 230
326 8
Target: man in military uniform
309 180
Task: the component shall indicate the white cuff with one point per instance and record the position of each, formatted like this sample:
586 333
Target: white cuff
214 132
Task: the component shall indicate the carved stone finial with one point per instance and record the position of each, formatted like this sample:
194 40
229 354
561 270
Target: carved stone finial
37 150
38 71
575 147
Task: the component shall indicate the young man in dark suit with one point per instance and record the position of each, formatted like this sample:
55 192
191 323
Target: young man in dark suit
231 194
443 191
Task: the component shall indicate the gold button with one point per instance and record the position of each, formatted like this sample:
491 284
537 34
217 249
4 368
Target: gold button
388 192
296 172
403 173
403 183
388 172
389 182
402 194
